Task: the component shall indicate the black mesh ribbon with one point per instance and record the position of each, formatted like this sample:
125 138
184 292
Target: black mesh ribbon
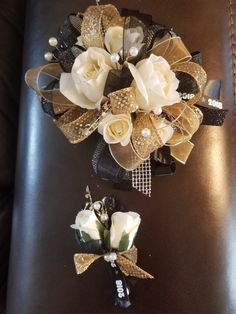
211 106
105 167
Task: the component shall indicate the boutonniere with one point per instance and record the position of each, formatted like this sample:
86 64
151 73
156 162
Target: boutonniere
103 231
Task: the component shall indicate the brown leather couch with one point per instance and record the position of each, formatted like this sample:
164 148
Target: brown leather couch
187 239
11 30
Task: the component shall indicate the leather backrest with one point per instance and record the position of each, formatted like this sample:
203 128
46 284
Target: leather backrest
185 234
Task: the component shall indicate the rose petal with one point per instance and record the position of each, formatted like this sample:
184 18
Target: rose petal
114 39
72 92
138 80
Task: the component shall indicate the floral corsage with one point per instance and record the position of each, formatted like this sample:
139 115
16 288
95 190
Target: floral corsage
135 82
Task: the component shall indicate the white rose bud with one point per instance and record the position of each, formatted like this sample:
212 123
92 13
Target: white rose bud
84 86
133 37
114 39
123 230
116 128
88 224
156 84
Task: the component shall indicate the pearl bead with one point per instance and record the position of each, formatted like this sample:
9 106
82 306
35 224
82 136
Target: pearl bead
96 205
146 132
115 57
104 217
48 56
53 41
87 132
110 257
133 51
158 111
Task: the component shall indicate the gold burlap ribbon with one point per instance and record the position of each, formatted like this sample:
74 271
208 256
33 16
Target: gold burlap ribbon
126 260
97 19
77 123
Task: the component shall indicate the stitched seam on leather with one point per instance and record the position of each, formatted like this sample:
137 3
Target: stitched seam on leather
233 45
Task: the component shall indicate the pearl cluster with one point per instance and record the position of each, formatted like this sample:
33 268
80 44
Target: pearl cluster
98 206
48 56
110 257
133 52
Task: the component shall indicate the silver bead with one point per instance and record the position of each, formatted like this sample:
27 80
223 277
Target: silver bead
110 257
48 56
133 51
53 41
97 206
146 132
115 57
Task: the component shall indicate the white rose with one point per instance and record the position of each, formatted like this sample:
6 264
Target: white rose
156 85
88 224
123 230
85 84
133 37
116 128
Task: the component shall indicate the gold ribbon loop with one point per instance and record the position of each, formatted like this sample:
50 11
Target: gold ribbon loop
130 269
77 123
198 74
125 156
126 261
123 101
83 261
173 50
96 21
185 121
36 78
145 144
182 151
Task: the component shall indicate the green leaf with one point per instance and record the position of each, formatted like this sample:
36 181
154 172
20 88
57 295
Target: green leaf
100 228
124 242
106 234
85 237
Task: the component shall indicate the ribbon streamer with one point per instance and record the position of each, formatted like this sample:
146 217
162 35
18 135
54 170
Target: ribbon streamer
120 287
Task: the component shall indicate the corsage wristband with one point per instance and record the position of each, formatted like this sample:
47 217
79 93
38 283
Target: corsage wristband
104 231
131 79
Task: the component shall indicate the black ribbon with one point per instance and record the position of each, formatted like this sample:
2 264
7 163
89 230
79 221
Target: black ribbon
118 79
105 167
211 106
121 291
